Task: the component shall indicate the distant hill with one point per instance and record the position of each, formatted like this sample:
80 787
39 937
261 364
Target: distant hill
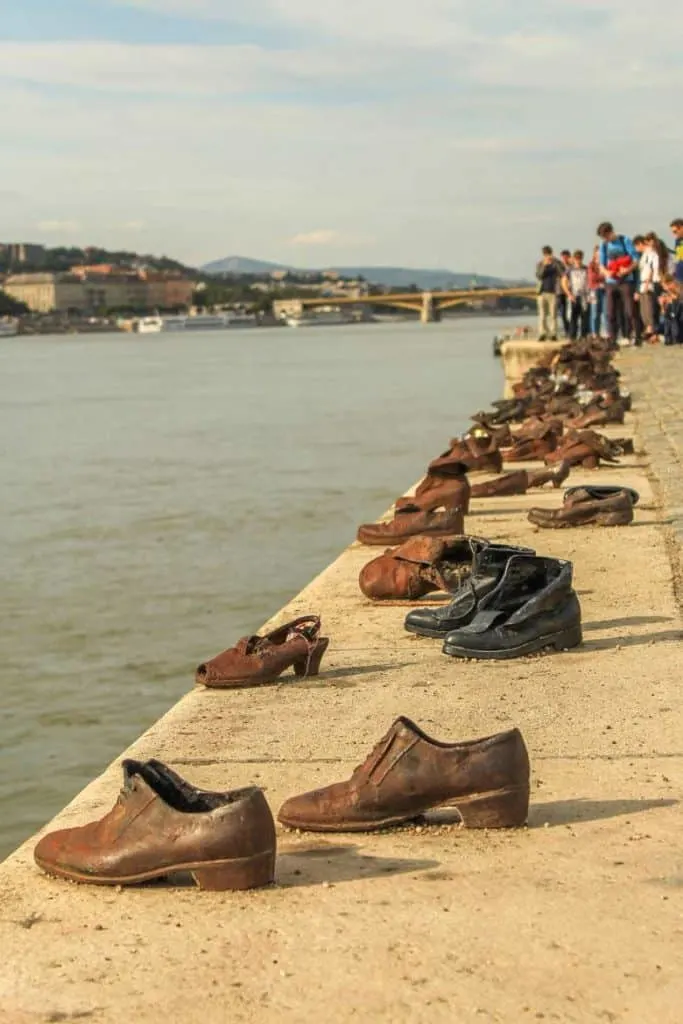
392 277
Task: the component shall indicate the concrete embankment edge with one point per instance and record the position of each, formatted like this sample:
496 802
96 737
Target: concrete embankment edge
577 918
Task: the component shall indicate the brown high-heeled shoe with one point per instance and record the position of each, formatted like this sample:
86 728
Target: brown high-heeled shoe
255 660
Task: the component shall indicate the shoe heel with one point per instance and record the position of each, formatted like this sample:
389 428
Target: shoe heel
310 666
505 808
247 873
568 638
591 462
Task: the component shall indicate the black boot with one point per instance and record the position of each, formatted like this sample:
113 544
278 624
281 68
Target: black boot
488 566
533 607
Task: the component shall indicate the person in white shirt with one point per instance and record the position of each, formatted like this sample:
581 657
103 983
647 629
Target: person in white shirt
649 282
575 287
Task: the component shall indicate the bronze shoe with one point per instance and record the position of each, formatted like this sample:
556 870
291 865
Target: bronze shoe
503 486
420 566
584 510
476 461
520 481
162 825
409 521
445 487
256 660
407 774
584 447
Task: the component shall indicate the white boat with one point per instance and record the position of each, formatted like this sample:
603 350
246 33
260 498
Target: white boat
149 325
208 322
319 318
9 328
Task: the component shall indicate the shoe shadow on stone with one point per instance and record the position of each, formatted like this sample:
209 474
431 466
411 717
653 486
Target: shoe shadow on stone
342 677
634 620
643 639
573 812
321 862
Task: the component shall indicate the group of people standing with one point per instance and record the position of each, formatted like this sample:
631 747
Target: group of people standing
632 288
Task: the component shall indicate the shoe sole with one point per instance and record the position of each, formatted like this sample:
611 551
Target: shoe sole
216 875
500 808
432 634
561 641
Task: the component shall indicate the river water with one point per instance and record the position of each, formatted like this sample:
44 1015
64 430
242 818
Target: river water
162 496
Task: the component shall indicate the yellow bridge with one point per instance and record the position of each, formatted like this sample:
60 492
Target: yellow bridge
428 304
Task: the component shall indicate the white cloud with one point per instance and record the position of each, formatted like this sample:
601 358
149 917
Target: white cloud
328 237
58 227
440 133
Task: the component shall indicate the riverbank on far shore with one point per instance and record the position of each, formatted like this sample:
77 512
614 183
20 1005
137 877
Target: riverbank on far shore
576 918
53 324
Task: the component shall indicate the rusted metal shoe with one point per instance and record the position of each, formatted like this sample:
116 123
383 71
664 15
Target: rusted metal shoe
534 608
447 486
478 451
256 660
419 567
584 508
408 774
585 448
409 521
521 480
161 825
489 562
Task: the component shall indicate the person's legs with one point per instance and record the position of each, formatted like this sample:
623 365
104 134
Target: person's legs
552 315
574 319
613 310
647 311
632 322
562 306
600 315
542 312
585 319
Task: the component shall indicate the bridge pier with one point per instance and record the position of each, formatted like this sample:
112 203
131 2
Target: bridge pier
428 312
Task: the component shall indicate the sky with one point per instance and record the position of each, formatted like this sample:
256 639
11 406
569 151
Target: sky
432 133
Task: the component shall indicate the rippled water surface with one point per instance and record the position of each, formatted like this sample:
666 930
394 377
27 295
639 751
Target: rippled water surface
162 496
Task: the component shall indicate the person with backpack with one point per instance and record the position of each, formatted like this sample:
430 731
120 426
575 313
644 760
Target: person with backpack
618 265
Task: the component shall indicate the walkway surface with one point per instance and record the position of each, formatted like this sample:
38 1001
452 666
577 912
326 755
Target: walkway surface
579 917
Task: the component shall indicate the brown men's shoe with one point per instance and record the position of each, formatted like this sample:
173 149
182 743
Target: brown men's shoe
411 521
503 486
446 487
599 416
255 660
407 774
162 825
420 566
584 447
582 510
478 451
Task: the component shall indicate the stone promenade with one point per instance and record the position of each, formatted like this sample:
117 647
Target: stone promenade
577 918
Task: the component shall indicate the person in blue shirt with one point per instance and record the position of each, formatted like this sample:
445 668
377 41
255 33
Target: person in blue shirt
618 265
677 229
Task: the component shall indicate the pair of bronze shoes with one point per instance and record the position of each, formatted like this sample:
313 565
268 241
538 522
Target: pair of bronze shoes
420 566
589 506
162 826
586 448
